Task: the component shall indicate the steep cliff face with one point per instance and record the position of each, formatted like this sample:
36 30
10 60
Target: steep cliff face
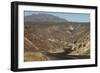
82 45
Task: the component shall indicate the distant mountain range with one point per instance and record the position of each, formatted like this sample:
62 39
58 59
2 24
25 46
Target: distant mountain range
43 18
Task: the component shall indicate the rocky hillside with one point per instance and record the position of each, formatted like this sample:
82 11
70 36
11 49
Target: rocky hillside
55 37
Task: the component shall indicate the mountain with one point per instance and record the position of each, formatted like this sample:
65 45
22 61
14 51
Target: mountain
43 18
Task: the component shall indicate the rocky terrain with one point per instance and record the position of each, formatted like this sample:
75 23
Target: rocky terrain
48 39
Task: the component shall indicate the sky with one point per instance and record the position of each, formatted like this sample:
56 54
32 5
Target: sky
75 17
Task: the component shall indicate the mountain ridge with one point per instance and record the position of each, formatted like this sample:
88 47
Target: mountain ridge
43 18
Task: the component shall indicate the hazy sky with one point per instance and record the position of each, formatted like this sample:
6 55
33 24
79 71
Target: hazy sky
75 17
